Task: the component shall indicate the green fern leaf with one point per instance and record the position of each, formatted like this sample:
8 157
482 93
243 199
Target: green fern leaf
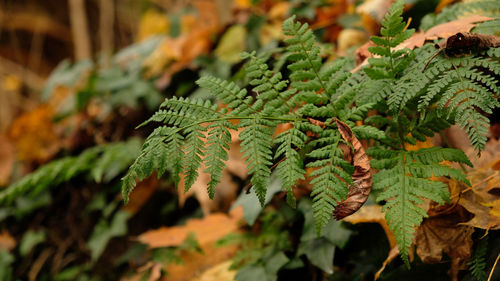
219 139
290 168
331 177
256 141
404 182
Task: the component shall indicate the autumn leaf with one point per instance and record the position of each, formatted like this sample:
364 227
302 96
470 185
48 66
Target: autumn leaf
444 30
207 230
7 242
7 159
232 44
480 200
219 272
444 233
153 22
372 214
418 39
35 135
362 176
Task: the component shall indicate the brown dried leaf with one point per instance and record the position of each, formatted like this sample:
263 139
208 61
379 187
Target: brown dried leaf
207 230
444 233
418 39
362 176
481 200
444 30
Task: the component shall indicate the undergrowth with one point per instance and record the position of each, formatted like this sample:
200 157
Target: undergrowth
410 106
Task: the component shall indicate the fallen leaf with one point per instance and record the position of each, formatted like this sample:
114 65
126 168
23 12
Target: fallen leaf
444 233
6 160
443 30
350 37
207 230
362 176
35 135
175 54
219 272
375 8
152 22
372 214
490 156
232 44
393 253
418 39
481 200
200 266
7 242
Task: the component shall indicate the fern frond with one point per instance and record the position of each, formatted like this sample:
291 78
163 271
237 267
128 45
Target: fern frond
477 263
291 168
160 150
306 64
461 87
330 178
228 93
103 162
193 154
219 139
404 182
256 141
490 8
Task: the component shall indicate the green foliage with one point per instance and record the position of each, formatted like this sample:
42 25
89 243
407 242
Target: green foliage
477 263
403 180
276 101
490 8
410 106
103 162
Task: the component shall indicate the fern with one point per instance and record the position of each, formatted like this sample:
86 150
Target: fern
403 180
421 104
490 8
203 130
103 163
330 179
477 263
410 106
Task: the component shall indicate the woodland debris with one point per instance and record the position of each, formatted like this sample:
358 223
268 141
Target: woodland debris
464 43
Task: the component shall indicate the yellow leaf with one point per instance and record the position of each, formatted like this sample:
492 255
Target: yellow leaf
232 44
153 22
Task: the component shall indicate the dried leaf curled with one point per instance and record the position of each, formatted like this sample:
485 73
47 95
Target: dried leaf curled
362 176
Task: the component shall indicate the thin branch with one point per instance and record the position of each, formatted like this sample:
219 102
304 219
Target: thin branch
106 26
79 29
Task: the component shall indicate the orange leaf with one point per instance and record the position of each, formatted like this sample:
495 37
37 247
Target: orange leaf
7 242
207 230
6 160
